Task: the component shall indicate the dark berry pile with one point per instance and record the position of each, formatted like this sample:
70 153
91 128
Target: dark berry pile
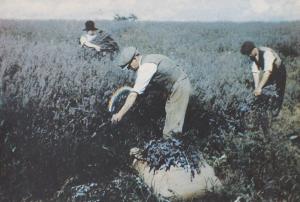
162 154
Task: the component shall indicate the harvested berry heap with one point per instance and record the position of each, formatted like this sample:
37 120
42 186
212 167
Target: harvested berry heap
162 154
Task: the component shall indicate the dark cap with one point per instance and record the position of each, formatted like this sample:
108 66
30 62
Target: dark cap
89 25
126 56
247 47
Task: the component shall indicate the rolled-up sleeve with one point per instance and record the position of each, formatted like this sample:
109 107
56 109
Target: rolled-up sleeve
144 76
254 68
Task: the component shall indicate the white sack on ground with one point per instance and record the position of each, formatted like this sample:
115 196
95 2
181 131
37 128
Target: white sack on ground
177 183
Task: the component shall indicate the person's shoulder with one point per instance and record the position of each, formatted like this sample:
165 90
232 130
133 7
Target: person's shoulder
83 37
266 49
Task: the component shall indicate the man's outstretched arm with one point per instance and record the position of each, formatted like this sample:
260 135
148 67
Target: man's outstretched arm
131 98
262 83
269 59
83 41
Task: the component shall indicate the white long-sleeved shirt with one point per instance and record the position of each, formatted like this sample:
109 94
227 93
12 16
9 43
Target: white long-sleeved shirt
269 58
87 38
144 75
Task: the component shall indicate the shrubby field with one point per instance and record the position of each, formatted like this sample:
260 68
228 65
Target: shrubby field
56 139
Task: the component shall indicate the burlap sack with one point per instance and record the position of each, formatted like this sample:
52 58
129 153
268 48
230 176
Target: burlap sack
176 183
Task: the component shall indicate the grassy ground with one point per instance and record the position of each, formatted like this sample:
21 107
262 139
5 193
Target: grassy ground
53 102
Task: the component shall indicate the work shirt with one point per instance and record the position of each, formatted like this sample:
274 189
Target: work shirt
171 78
268 60
144 75
87 38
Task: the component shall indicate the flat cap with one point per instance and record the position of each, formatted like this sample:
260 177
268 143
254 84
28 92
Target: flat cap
247 47
126 56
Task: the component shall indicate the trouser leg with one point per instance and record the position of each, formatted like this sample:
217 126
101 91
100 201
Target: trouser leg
280 88
281 83
176 108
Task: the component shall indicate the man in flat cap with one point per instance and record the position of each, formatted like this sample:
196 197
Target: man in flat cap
266 60
168 75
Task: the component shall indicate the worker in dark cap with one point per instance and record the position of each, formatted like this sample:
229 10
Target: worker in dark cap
267 61
168 75
99 41
91 34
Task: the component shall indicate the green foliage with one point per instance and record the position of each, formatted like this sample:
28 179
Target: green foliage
163 154
54 121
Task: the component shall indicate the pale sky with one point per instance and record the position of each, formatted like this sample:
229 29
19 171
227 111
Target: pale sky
154 10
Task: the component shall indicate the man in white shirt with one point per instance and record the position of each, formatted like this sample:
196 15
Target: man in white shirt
267 61
91 34
167 74
97 43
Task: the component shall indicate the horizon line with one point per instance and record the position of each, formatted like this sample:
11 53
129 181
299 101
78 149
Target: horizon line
175 21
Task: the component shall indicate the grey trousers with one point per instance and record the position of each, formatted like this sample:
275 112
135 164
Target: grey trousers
176 107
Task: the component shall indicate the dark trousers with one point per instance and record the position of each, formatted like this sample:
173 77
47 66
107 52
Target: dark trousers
278 78
269 106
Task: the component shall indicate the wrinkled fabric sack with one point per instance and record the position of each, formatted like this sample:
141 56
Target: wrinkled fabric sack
177 183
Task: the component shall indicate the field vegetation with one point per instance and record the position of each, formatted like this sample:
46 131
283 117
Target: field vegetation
56 143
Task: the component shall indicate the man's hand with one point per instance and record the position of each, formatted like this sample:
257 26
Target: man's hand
128 104
82 41
257 91
97 48
116 118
